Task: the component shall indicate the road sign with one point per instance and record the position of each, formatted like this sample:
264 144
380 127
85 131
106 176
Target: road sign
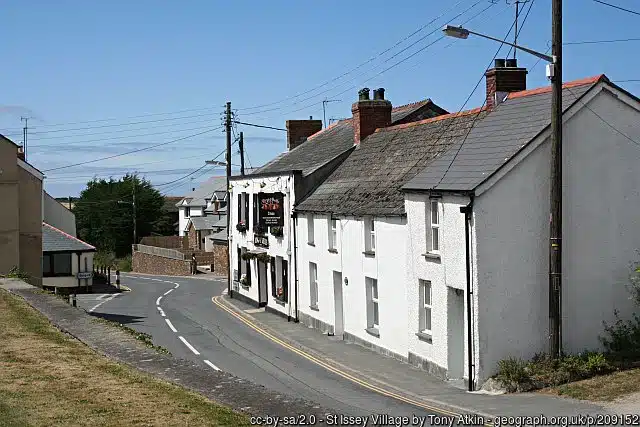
85 275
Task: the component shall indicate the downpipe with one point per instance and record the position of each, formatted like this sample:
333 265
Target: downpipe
294 215
468 214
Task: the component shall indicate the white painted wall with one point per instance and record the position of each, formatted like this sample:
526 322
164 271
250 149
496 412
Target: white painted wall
387 266
57 215
447 272
282 247
601 233
183 220
72 281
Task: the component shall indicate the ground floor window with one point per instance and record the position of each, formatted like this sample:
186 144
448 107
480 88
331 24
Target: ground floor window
425 307
56 264
313 284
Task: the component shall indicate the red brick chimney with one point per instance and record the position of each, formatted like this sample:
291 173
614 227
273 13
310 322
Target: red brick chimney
370 114
21 153
299 130
505 77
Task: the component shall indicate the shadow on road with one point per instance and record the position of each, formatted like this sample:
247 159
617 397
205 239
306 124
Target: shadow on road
119 318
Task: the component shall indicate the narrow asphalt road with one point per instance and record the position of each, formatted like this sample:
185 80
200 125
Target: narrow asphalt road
194 328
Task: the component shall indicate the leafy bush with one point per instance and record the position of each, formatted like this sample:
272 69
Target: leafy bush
124 264
16 273
622 342
512 372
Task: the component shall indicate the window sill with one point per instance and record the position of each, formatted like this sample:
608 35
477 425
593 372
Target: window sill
431 255
311 244
333 251
424 337
314 307
369 253
373 331
279 302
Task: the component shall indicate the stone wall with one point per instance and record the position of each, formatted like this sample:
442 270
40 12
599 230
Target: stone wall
168 242
153 264
192 237
220 258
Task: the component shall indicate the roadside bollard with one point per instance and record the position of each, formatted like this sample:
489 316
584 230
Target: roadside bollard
118 279
73 299
109 275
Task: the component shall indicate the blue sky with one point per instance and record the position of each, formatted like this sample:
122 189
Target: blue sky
85 72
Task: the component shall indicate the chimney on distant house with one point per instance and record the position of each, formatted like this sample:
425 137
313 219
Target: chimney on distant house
370 114
299 130
21 153
503 78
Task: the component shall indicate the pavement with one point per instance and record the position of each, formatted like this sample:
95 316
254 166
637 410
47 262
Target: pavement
400 380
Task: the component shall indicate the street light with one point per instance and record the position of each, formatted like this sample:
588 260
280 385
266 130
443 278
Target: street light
215 163
555 218
463 33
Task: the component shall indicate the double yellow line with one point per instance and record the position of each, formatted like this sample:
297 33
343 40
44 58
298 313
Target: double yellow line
217 301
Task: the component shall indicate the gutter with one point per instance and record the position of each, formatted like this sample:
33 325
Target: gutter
468 214
294 215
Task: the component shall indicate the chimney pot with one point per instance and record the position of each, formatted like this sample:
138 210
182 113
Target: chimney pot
378 94
21 153
363 94
511 63
504 78
500 63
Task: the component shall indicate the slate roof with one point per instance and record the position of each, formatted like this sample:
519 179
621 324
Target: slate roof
54 240
333 141
496 138
208 222
416 155
220 235
205 191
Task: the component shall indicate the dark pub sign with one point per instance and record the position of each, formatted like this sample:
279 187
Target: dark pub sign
271 209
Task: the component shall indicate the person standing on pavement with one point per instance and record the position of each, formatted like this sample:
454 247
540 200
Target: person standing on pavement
194 268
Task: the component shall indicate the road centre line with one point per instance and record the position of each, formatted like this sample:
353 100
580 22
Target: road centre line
170 325
369 386
158 300
102 302
212 365
169 291
196 352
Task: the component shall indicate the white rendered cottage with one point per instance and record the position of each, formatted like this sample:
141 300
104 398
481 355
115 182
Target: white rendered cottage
478 217
208 198
264 265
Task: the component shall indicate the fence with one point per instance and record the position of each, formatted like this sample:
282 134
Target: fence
162 252
168 242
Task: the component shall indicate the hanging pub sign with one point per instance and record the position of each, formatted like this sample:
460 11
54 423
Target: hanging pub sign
261 240
271 209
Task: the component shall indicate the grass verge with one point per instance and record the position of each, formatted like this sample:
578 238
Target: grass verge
605 388
48 378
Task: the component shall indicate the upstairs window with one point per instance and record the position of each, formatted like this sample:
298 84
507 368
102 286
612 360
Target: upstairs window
333 234
310 229
187 212
434 230
369 235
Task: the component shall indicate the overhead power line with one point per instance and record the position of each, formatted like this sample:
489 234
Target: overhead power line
133 151
602 41
617 7
372 59
181 178
259 126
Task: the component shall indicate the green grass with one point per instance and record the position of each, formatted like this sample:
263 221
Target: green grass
141 336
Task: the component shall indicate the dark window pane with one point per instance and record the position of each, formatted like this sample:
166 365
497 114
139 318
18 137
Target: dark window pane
46 265
62 264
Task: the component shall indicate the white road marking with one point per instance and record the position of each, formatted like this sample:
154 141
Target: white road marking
225 292
177 285
169 291
158 300
161 311
147 360
170 325
102 302
196 352
102 296
212 365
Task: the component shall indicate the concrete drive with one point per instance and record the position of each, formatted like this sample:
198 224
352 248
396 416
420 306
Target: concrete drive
180 315
401 380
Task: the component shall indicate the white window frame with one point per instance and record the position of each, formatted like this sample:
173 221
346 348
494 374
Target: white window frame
333 233
435 236
369 235
373 303
313 284
310 230
426 307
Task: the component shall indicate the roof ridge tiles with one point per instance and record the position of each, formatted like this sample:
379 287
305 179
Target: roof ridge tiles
432 119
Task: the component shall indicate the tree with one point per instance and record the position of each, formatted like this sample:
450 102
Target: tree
104 212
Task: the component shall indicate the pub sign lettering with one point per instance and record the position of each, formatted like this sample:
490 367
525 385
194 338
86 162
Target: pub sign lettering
271 209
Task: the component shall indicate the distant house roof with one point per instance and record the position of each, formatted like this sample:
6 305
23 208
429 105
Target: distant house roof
220 235
171 203
329 143
207 222
55 240
206 190
416 155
